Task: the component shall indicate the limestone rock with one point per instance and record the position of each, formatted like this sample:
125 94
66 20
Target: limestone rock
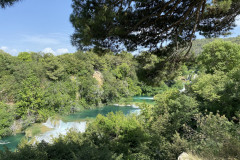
16 126
99 77
184 156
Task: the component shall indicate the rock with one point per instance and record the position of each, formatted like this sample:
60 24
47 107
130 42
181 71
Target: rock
184 156
99 77
17 126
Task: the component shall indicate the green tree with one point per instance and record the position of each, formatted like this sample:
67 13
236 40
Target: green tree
6 119
25 56
147 60
59 97
72 64
89 91
7 62
29 97
208 86
218 92
165 121
176 108
220 56
54 69
5 3
8 88
215 137
108 24
123 135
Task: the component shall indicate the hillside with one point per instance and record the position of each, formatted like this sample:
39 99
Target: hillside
199 43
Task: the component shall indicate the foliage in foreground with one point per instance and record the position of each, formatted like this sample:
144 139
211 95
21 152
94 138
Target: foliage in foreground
40 85
158 133
203 121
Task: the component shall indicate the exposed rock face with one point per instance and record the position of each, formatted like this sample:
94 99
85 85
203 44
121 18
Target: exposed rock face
99 77
184 156
17 126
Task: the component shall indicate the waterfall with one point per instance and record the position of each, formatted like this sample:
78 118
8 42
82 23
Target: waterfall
134 106
137 111
4 142
144 98
50 123
59 128
195 76
182 90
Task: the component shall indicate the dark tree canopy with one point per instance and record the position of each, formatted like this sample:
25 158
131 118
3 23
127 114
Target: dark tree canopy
149 23
5 3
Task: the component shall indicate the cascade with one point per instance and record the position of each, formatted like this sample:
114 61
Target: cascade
195 76
136 111
75 122
134 106
4 142
59 128
182 90
143 98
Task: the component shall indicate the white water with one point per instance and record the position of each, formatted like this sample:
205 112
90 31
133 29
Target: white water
4 142
195 76
182 90
134 106
144 98
122 105
137 111
59 128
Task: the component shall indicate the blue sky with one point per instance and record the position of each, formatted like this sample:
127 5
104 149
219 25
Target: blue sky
41 25
36 25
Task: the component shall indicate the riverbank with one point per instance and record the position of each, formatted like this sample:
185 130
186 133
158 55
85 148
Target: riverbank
60 124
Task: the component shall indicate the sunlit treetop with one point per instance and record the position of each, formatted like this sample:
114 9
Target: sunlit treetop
153 24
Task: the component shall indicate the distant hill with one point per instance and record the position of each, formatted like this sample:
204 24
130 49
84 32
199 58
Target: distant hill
199 43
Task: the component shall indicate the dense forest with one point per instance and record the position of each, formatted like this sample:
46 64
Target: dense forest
195 84
38 85
35 86
202 121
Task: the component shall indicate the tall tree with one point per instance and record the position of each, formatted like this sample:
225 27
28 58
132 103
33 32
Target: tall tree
150 23
5 3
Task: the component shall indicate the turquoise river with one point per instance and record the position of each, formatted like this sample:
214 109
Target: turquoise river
77 120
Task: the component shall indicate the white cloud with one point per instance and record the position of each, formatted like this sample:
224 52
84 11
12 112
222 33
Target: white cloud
62 51
58 42
55 52
9 50
48 50
4 48
13 51
237 21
